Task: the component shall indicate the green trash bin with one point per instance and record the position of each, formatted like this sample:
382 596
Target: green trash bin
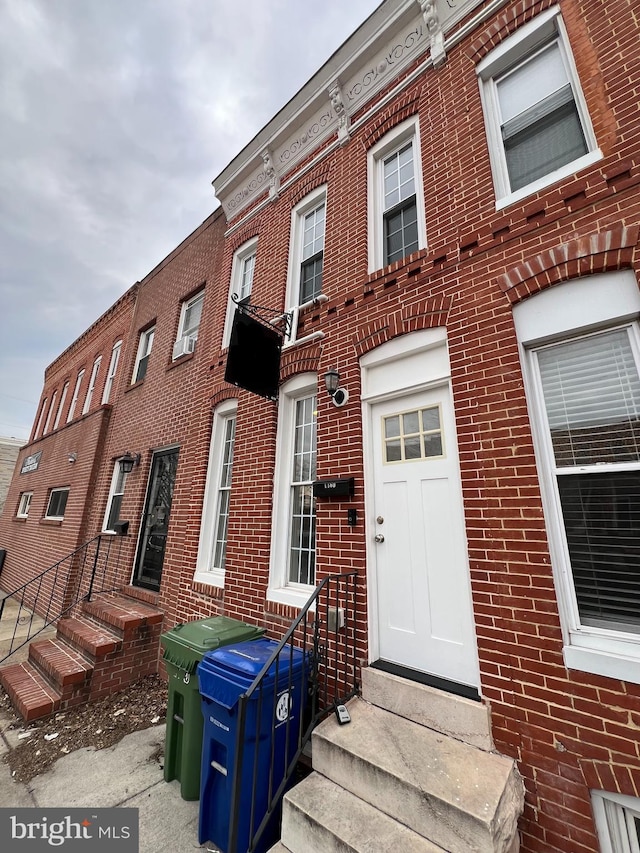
184 647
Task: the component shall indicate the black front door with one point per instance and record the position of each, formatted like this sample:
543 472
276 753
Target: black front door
155 521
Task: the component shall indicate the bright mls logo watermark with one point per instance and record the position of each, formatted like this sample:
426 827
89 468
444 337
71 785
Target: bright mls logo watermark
70 830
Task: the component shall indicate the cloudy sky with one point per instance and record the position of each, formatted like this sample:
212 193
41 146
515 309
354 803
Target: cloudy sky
115 115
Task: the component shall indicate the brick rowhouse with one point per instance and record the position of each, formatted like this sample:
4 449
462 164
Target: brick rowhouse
572 726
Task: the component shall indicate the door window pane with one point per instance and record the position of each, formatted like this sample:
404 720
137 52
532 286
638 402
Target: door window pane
413 435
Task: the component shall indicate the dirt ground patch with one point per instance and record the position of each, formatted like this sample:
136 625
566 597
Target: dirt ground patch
100 725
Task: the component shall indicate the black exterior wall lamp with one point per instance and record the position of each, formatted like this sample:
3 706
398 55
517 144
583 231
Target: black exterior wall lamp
332 384
128 462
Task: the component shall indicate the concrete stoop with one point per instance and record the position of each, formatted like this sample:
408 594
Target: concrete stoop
110 643
386 781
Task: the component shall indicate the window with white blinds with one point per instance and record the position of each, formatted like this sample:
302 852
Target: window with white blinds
591 392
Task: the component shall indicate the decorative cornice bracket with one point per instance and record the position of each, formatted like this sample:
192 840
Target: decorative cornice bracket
271 175
434 27
337 104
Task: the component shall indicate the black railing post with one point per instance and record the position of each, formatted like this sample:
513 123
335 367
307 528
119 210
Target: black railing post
94 567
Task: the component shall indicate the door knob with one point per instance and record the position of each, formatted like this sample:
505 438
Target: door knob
379 537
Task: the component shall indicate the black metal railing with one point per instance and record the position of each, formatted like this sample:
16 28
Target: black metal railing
41 601
313 669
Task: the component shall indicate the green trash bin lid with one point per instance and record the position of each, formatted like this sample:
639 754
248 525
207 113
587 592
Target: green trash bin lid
186 644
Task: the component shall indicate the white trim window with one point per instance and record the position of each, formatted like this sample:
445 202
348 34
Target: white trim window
214 531
43 409
293 544
57 504
111 373
581 356
50 413
306 258
190 316
537 122
618 822
241 284
24 504
396 197
63 397
92 384
114 501
145 345
76 394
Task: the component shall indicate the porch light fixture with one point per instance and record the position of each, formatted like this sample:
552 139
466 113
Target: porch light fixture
128 462
332 384
72 456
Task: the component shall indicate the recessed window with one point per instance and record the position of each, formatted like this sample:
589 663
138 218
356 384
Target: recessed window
114 501
293 550
43 409
76 394
92 384
111 373
618 822
24 504
54 397
396 200
145 345
190 315
57 504
583 390
241 284
63 397
212 550
538 126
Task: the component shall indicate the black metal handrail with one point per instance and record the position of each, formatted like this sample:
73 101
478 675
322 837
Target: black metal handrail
52 593
325 635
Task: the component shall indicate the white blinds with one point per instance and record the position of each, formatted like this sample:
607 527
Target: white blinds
591 392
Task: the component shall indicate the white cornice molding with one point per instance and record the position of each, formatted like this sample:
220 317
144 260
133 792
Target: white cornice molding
394 36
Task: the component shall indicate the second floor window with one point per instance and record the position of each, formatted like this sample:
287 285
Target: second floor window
92 384
111 373
190 316
145 346
241 284
24 504
57 504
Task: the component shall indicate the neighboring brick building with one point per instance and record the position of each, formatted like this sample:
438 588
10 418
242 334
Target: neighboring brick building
448 211
9 449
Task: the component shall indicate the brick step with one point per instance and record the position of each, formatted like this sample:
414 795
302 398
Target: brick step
145 595
92 638
30 693
61 664
122 613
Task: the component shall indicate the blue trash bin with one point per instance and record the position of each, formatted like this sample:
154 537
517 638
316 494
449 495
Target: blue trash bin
272 728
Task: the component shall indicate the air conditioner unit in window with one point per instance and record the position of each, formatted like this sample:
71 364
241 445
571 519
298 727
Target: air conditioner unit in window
184 346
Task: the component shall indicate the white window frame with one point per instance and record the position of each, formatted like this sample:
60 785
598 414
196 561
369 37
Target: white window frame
24 504
92 384
612 813
515 48
53 492
308 205
52 405
111 373
241 256
407 131
206 573
63 397
569 310
190 333
145 346
41 417
116 489
76 394
280 589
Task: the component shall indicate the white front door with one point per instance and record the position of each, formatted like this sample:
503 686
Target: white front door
424 612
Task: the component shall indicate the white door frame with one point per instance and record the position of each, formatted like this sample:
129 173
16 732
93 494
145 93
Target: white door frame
425 365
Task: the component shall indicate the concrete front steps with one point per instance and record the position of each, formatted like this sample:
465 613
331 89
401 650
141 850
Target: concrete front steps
108 644
412 771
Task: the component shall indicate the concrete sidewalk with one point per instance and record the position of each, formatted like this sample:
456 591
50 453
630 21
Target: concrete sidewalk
128 774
